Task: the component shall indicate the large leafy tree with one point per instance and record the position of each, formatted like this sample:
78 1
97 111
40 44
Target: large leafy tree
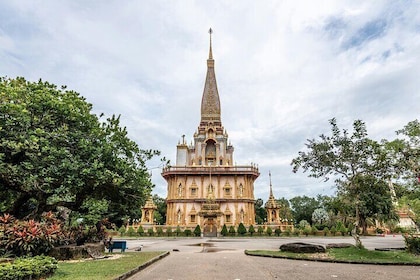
54 152
303 207
349 158
260 212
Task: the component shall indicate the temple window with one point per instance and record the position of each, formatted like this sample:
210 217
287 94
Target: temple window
192 218
228 220
193 191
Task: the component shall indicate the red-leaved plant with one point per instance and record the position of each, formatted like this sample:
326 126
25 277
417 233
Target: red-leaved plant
30 238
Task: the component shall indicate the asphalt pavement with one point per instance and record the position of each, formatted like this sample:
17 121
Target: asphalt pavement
224 258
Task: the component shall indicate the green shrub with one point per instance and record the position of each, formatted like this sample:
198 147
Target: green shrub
306 230
187 232
140 231
122 230
159 231
343 230
131 232
251 230
326 231
178 231
277 231
260 230
224 231
28 268
413 243
333 230
314 230
150 232
296 231
241 229
232 231
269 231
168 231
197 231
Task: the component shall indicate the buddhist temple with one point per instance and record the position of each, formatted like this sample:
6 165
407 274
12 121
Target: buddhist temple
205 187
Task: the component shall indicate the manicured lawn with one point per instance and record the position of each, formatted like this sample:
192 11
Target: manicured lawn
102 269
351 254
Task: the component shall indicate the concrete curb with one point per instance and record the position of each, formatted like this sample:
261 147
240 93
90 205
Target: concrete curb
330 261
141 267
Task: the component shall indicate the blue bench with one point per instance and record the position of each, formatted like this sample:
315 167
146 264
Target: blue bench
117 244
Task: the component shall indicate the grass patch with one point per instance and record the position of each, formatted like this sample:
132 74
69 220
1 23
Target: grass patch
102 269
351 254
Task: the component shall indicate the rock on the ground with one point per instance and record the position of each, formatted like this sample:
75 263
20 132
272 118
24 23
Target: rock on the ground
299 247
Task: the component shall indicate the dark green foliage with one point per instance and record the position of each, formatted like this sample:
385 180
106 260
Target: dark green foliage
232 231
260 230
168 231
326 231
260 212
38 267
277 231
159 231
224 231
54 152
178 231
140 231
160 213
187 232
197 231
355 161
303 207
122 230
241 229
314 230
413 243
269 231
150 232
333 230
251 230
131 232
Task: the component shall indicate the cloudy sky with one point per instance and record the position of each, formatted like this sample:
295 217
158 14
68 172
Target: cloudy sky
283 68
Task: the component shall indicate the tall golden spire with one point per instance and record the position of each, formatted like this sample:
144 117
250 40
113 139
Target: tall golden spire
210 102
210 52
271 187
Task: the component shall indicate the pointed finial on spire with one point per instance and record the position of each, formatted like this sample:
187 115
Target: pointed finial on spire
210 52
271 187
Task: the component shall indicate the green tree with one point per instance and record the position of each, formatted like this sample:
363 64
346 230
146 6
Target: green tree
178 231
169 231
160 213
277 231
224 231
241 229
197 231
54 152
260 213
251 230
320 216
131 231
269 231
140 231
260 230
345 157
303 207
232 231
122 230
159 231
150 232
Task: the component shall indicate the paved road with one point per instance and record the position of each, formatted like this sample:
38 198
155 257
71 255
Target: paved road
204 258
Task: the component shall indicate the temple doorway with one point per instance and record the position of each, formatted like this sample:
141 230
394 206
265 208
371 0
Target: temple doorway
210 227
